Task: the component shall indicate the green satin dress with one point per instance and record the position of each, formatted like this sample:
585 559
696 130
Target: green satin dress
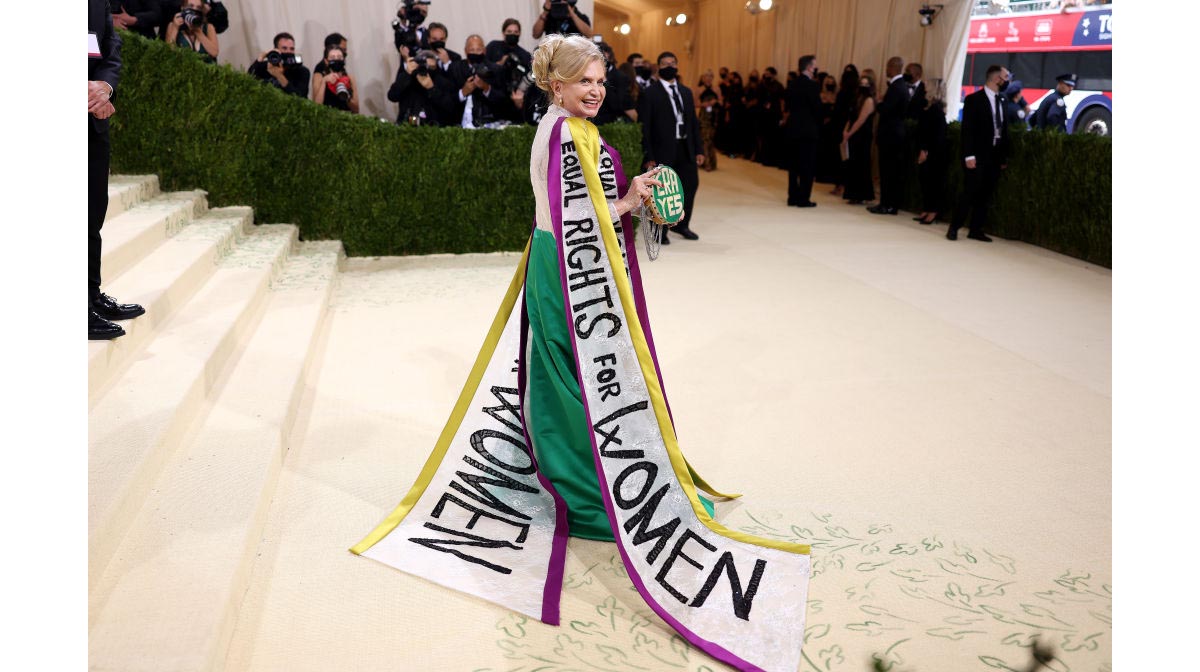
554 412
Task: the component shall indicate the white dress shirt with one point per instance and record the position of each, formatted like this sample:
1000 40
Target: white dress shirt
996 123
674 84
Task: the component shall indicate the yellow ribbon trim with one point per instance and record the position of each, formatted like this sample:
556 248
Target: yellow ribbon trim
456 416
587 142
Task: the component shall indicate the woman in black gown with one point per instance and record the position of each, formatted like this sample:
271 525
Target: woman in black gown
933 158
829 154
859 135
843 107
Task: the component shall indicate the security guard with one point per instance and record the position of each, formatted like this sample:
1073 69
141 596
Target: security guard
1052 113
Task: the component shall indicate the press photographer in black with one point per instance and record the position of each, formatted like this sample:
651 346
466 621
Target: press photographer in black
189 30
281 67
561 16
407 27
426 95
482 93
516 65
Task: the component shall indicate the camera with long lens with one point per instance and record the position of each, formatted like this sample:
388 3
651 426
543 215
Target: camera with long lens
342 89
404 26
561 9
485 72
277 59
192 17
520 78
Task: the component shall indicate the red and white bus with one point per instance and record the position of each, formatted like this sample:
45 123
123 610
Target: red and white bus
1037 46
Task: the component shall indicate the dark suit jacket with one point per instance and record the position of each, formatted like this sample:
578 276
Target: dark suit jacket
891 113
657 115
107 68
918 102
439 103
147 12
977 130
616 98
804 110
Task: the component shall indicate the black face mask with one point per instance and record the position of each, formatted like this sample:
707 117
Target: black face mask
830 87
475 58
337 66
643 71
668 73
767 79
907 78
440 44
512 40
1003 85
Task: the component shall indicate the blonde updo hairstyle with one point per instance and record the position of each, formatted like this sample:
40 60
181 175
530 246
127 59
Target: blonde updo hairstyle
563 59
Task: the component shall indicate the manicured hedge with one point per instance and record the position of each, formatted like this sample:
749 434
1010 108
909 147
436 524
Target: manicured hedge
1056 193
379 188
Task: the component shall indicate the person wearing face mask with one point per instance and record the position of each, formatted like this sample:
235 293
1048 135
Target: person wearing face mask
845 109
426 95
322 68
336 88
856 143
984 146
1016 108
671 135
281 67
189 30
802 131
481 92
438 34
563 18
408 31
641 69
507 51
890 138
918 99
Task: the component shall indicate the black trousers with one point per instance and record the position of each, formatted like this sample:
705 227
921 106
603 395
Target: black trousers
99 151
689 176
891 174
980 184
802 167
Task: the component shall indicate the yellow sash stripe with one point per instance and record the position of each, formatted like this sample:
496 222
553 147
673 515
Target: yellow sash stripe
587 142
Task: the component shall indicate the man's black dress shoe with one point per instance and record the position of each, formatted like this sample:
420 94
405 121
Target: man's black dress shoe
809 204
952 234
880 210
107 307
688 234
663 239
983 237
100 329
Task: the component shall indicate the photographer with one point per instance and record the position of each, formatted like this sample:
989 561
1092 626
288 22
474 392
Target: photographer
406 27
214 12
189 30
481 93
336 87
140 16
437 44
281 67
425 93
322 68
560 16
517 68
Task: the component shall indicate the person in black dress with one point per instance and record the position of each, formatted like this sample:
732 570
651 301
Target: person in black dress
336 88
859 136
829 154
844 108
933 159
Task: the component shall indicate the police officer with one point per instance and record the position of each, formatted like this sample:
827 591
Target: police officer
1051 115
1016 108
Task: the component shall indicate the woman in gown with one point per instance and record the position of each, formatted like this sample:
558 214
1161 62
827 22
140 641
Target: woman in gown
563 426
859 135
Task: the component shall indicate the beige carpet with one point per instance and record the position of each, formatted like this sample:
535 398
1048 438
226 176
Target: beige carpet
933 417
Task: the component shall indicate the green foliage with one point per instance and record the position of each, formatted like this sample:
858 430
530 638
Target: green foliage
1056 192
380 188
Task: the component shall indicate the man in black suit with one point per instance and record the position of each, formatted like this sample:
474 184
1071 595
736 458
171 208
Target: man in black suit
984 153
890 138
671 134
104 71
802 131
481 92
918 100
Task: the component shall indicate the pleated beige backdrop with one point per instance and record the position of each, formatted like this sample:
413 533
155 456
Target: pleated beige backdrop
863 32
367 26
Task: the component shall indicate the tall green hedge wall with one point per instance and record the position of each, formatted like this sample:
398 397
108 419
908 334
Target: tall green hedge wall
380 188
383 189
1056 193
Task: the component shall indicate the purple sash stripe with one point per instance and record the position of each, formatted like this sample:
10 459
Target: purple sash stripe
713 649
552 593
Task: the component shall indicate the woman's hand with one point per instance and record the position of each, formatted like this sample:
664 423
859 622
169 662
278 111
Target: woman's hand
639 190
178 20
